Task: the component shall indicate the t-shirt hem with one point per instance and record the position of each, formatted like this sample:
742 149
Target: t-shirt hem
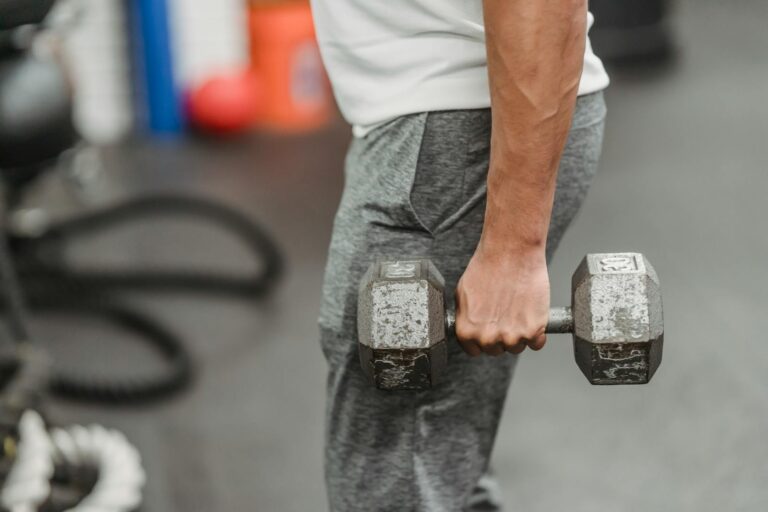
454 95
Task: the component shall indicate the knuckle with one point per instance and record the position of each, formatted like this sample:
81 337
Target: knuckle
535 336
512 338
485 343
466 332
536 332
488 339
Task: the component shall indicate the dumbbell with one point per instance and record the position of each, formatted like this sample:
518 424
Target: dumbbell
615 318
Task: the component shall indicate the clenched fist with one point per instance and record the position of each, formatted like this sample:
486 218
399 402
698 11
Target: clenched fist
503 303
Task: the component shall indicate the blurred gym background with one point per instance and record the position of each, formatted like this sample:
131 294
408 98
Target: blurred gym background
170 172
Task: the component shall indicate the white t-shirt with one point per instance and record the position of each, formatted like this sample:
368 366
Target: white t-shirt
388 58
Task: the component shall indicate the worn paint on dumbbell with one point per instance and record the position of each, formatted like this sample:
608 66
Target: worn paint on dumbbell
406 311
618 306
401 324
619 362
401 321
401 369
615 315
618 333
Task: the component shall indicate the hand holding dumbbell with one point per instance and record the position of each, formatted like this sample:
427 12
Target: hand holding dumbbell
615 318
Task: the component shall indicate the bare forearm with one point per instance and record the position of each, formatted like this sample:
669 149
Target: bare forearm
535 58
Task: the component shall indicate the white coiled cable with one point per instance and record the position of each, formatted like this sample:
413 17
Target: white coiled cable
28 485
121 476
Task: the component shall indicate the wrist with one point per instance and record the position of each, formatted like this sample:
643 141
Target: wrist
517 214
497 249
517 232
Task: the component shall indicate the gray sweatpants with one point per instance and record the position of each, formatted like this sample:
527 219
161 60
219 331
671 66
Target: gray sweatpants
416 188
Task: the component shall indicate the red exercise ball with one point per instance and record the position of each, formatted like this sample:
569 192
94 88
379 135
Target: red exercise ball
226 104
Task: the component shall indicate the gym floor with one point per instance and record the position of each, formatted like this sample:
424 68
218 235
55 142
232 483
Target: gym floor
683 179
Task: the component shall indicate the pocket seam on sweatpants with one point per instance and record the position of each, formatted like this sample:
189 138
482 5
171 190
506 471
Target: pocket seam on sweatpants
461 202
414 173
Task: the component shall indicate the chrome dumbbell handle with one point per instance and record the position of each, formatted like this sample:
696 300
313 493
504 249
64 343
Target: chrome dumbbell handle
560 320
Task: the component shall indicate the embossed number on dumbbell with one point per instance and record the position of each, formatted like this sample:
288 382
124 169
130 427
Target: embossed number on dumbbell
400 270
618 264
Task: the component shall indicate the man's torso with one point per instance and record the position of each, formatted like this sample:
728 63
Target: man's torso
388 59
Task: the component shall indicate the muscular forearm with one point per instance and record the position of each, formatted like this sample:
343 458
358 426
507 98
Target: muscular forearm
535 58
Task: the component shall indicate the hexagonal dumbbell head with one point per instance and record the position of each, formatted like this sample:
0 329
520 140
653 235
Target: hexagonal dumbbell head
618 326
401 324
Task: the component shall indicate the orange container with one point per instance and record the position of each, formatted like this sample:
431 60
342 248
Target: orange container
285 54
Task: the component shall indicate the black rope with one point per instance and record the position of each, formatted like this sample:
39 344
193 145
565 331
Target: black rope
52 285
92 386
42 259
